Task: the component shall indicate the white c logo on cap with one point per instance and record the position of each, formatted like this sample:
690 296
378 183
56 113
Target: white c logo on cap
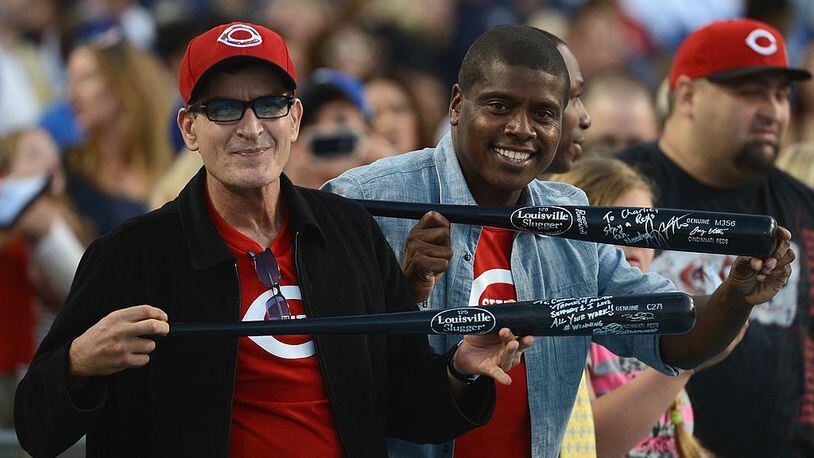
232 36
751 41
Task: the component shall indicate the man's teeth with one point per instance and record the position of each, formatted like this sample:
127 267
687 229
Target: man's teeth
514 156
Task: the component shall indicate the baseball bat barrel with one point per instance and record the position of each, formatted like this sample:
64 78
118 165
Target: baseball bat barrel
660 228
665 313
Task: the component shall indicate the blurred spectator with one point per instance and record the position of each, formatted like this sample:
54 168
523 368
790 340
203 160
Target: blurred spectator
334 130
37 30
19 104
351 50
623 113
39 254
416 34
432 97
122 99
173 37
798 161
669 21
395 113
135 20
604 40
804 123
302 35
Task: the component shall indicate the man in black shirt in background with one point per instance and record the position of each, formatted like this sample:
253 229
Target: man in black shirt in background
729 109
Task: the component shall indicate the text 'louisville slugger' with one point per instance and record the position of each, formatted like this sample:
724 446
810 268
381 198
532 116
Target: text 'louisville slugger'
665 313
660 228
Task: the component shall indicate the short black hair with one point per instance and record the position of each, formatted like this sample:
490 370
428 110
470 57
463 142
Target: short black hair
519 45
234 65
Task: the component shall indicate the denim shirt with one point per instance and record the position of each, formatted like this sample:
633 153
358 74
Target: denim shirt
542 268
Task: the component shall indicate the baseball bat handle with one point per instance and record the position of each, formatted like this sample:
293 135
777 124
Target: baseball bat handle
737 234
665 313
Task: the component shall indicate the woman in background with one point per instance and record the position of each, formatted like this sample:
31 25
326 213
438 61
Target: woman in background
122 99
395 113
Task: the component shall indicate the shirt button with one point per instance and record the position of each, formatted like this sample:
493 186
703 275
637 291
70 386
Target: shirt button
467 257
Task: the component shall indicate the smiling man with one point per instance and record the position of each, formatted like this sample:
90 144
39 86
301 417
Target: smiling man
506 113
242 243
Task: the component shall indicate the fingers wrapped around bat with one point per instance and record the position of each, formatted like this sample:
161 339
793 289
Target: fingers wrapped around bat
779 277
432 227
782 254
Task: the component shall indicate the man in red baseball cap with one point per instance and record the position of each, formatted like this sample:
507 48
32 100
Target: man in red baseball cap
242 243
729 111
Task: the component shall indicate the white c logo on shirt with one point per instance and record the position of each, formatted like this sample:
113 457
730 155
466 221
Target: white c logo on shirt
486 279
257 312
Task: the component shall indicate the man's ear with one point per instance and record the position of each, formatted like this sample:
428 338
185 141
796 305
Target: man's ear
685 94
296 117
188 129
455 101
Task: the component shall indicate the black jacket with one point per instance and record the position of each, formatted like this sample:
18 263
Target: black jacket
180 403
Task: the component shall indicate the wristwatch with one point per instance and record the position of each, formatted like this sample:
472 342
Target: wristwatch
466 379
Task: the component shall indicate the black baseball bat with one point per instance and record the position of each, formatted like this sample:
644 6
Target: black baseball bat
737 234
665 313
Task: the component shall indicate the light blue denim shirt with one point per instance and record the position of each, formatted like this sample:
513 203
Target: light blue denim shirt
542 268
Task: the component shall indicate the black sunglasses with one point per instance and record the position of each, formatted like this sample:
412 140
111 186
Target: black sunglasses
231 110
268 271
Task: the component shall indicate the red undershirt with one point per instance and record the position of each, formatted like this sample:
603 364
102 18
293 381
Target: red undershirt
280 405
508 433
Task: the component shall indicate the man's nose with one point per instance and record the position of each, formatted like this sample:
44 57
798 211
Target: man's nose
250 126
520 126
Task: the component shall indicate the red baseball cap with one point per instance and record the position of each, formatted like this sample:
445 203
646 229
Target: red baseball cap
238 40
730 49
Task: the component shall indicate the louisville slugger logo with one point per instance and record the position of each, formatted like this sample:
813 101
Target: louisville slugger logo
543 220
469 320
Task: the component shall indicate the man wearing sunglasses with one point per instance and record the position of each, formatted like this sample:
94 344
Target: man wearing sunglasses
242 243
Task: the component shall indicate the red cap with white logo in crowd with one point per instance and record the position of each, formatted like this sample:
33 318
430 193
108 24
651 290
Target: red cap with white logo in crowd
733 48
237 40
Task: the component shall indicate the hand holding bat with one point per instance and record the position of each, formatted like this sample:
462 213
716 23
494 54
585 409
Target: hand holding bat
751 281
759 279
427 251
492 355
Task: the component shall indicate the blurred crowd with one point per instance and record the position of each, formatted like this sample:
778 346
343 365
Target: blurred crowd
88 96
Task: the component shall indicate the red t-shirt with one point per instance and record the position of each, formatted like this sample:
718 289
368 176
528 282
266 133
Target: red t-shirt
508 433
280 405
16 306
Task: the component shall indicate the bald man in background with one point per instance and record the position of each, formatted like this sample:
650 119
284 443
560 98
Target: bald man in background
622 111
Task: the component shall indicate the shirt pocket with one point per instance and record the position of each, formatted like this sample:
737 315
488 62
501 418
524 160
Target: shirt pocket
570 352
